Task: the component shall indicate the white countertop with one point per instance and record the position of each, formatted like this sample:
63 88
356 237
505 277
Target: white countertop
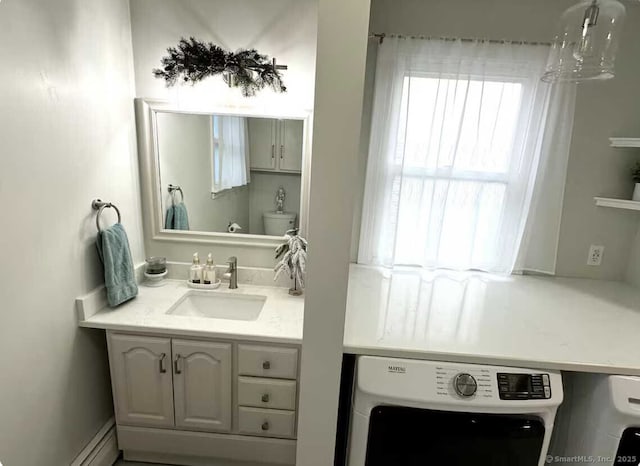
525 321
280 320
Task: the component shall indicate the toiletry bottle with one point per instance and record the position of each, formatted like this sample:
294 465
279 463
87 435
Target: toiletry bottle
209 275
195 274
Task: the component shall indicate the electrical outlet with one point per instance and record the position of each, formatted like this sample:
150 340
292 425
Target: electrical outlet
595 255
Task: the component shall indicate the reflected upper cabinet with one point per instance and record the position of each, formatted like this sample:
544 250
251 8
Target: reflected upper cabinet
276 145
220 175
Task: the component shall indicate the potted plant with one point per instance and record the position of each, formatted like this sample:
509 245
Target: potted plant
293 260
635 174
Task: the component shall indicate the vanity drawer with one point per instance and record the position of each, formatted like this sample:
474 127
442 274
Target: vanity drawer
267 393
268 422
268 361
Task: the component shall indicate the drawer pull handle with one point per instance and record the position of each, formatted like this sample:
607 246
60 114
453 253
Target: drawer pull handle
163 368
265 426
265 398
266 365
176 367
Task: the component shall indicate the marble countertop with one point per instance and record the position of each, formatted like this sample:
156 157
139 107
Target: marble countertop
280 320
525 321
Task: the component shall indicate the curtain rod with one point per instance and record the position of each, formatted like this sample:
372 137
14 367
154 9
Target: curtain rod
382 35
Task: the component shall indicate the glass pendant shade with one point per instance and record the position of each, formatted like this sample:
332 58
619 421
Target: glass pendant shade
587 41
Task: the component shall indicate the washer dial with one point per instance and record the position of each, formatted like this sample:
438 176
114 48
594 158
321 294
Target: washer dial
465 385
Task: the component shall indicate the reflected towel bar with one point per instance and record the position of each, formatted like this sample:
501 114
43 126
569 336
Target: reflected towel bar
172 190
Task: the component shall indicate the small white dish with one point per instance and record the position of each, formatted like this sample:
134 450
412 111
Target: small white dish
155 279
202 286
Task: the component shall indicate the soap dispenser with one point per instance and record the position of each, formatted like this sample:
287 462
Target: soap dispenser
195 273
209 274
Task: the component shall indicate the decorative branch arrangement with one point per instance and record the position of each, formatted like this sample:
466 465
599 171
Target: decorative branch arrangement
293 260
192 60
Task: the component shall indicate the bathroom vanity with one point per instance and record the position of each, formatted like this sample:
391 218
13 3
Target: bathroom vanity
195 382
177 397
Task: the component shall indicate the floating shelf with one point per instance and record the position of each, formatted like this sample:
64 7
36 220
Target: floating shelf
617 203
625 142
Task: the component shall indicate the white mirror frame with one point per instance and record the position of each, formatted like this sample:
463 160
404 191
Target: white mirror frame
151 190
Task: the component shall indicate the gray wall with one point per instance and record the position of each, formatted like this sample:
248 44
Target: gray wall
67 136
603 109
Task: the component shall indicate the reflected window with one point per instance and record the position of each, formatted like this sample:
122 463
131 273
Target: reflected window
231 158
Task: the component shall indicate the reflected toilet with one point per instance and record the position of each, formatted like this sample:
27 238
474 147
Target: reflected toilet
277 223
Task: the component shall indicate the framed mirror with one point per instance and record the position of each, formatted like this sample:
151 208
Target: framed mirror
222 175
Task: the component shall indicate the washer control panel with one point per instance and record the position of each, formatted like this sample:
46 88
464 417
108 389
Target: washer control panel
451 383
524 386
464 382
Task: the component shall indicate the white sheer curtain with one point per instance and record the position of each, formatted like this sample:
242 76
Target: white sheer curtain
231 153
462 134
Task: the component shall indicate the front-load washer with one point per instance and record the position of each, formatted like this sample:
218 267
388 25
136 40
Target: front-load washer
600 422
410 412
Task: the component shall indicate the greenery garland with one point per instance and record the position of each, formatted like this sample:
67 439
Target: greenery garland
192 61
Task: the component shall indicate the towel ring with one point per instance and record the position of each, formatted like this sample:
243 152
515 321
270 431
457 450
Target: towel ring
99 205
172 190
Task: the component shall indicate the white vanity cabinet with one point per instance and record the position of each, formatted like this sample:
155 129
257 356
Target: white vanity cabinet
182 399
276 145
202 385
141 378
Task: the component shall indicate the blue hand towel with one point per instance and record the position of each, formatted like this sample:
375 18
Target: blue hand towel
180 217
177 218
119 278
168 220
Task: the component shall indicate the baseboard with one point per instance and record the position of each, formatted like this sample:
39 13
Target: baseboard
102 450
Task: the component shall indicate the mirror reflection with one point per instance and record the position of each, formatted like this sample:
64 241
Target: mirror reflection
230 174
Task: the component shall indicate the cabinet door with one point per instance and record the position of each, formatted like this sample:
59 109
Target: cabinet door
262 143
142 386
202 385
291 141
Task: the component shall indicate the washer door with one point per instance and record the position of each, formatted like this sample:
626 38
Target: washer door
629 449
401 436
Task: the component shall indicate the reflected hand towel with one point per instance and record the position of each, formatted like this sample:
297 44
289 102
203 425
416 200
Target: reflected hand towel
177 218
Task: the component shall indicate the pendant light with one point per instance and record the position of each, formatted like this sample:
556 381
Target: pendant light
586 44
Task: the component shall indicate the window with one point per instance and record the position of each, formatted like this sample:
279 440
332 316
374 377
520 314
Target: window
458 132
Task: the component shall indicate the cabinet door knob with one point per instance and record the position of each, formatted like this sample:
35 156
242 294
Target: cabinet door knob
266 365
265 426
176 367
163 368
265 398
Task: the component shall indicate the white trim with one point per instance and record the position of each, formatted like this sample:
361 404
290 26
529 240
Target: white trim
243 449
617 203
102 450
146 110
625 142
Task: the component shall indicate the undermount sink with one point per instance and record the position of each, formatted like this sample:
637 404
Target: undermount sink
218 305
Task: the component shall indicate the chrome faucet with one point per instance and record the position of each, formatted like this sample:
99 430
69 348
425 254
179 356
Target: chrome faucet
232 272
